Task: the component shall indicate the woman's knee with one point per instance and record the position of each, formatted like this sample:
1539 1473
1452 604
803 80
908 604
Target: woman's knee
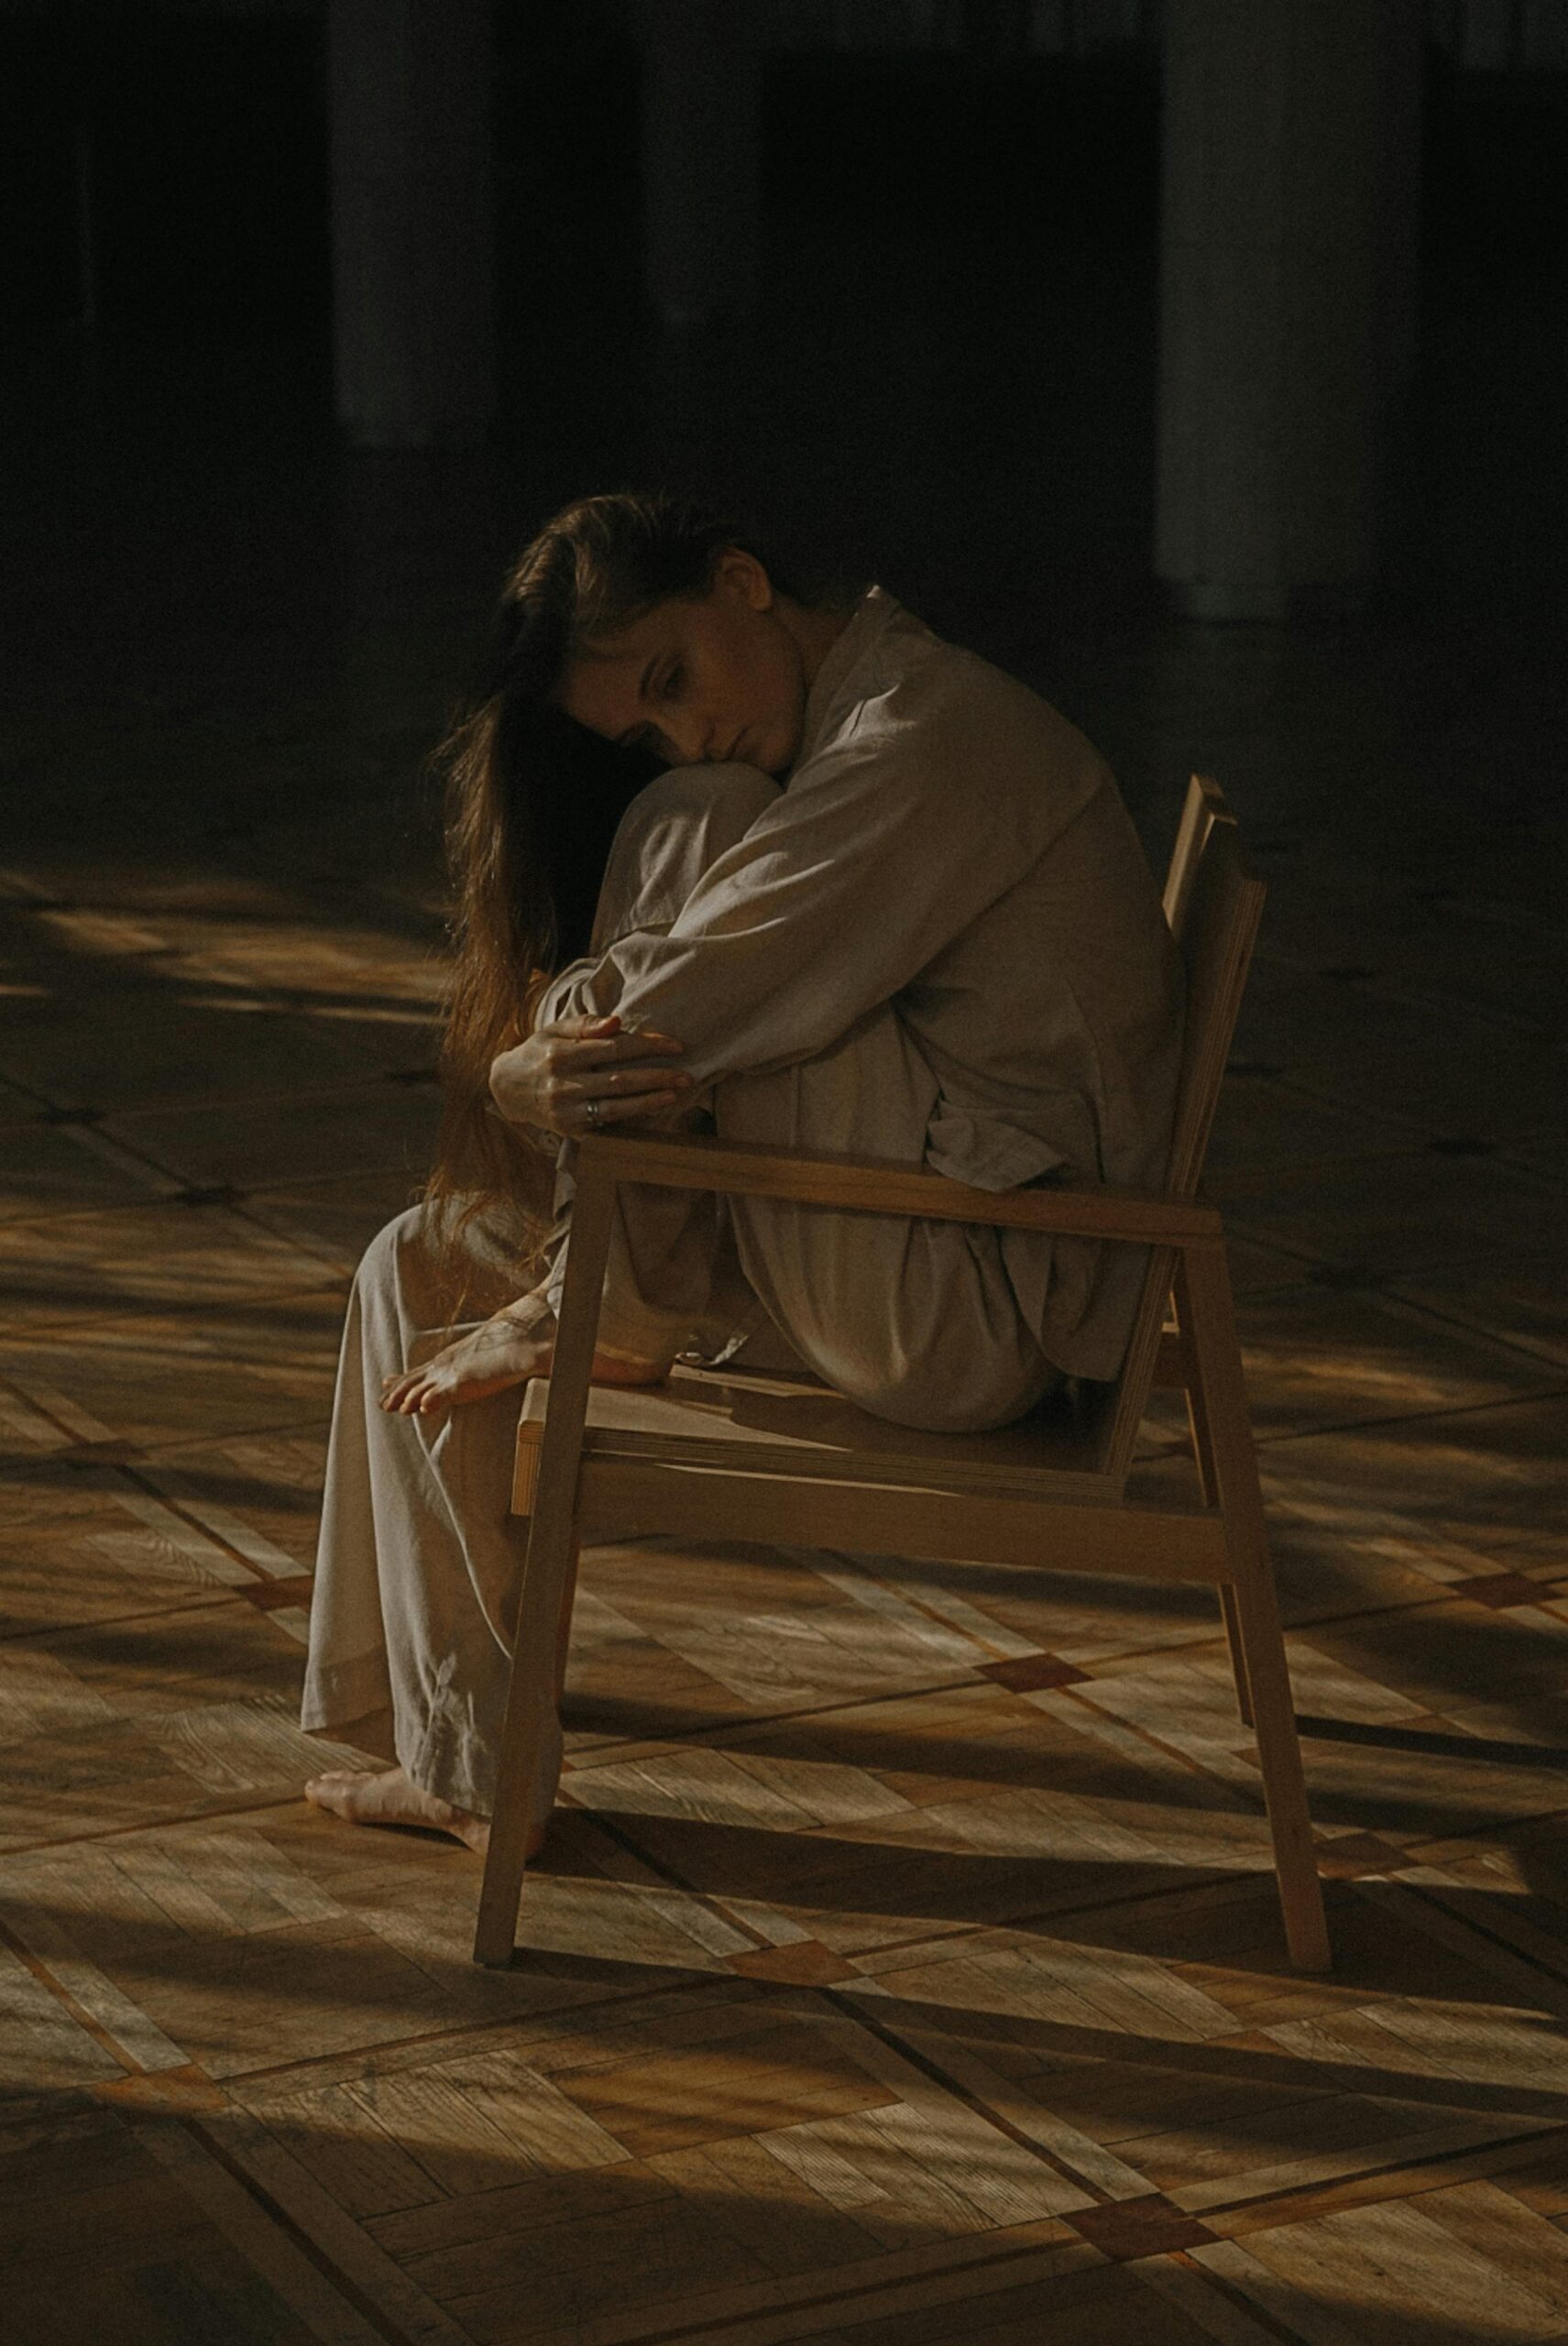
670 836
726 795
438 1267
393 1239
384 1266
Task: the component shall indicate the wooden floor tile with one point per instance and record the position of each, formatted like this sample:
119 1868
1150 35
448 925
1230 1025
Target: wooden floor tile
258 1495
779 2151
1321 1357
157 1380
1399 1216
177 1257
361 1130
129 1556
1395 2272
336 1218
1263 1124
148 1046
1521 1302
62 1171
1474 1477
111 2232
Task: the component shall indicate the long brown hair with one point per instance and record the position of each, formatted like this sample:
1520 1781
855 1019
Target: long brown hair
532 800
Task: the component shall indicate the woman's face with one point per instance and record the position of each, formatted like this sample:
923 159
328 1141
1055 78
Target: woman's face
700 681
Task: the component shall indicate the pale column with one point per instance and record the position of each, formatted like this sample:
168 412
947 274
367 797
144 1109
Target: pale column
410 87
1288 294
701 157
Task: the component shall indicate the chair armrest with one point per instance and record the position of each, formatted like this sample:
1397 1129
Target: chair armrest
881 1185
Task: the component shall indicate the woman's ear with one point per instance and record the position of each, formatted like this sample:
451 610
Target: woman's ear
741 575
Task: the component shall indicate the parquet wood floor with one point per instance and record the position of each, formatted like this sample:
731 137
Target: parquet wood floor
904 1967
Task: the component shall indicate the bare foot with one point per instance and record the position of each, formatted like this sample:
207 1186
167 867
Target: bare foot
491 1357
385 1796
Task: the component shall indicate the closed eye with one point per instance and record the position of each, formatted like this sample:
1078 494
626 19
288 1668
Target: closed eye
668 687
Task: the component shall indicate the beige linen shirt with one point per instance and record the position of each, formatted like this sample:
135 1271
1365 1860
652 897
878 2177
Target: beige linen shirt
948 842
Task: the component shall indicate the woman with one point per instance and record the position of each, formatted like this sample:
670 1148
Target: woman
881 899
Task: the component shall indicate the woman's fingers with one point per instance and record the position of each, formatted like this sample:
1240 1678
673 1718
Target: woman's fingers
616 1098
613 1050
617 1083
626 1110
611 1095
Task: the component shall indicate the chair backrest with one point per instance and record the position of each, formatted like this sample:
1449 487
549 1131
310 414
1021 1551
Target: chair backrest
1213 902
1204 801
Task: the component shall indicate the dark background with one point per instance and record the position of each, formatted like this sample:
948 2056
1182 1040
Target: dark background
950 383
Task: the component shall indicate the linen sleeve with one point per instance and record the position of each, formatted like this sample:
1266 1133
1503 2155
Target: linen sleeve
835 898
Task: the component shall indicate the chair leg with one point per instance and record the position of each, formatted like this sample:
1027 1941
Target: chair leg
1230 1616
1203 1456
564 1624
548 1582
548 1574
1253 1602
1280 1758
506 1858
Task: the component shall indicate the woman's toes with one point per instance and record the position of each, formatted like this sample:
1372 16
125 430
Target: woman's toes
334 1791
377 1796
385 1796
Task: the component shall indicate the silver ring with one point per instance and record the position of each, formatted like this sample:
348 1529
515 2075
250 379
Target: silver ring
591 1114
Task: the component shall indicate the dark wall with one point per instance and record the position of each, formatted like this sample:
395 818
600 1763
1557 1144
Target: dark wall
203 143
958 326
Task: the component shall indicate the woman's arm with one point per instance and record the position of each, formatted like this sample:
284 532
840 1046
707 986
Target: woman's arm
586 1071
834 900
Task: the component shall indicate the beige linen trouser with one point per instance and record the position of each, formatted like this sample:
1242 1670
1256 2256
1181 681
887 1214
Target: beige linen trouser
420 1562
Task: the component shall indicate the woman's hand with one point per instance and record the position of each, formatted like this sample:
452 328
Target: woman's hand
580 1075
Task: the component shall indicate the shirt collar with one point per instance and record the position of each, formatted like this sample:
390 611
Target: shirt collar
875 610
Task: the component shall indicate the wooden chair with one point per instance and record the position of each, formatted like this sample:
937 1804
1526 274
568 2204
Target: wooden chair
717 1455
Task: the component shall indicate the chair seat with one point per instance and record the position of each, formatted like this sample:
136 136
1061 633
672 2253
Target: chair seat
744 1423
712 1455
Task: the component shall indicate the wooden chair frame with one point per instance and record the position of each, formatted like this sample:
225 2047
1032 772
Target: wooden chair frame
928 1496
